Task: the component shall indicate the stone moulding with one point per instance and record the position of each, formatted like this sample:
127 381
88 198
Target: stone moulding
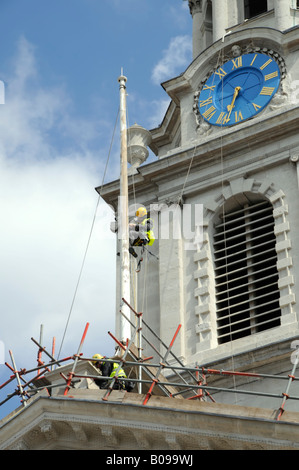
204 274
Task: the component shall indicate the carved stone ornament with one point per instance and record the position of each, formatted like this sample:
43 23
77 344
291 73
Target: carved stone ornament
138 140
203 127
195 6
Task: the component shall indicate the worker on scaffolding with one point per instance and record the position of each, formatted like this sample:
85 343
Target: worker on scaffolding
108 369
140 231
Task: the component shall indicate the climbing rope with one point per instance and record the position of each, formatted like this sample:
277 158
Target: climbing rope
88 241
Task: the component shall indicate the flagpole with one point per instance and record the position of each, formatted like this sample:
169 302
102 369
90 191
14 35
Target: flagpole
123 216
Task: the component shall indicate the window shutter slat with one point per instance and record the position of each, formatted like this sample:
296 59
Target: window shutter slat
246 277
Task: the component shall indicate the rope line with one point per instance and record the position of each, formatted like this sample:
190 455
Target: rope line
224 228
88 242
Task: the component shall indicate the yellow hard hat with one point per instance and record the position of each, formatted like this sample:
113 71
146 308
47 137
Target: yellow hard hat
141 212
97 358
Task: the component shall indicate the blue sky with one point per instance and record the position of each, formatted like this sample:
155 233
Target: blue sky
60 61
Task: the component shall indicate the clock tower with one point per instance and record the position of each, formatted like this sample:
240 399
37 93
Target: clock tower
219 285
227 176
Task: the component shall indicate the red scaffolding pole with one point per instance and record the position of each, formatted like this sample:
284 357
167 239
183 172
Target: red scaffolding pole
200 378
71 374
155 380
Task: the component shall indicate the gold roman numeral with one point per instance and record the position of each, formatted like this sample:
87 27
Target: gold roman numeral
256 106
253 59
267 91
220 72
237 63
206 102
266 64
238 116
222 118
209 113
207 87
271 75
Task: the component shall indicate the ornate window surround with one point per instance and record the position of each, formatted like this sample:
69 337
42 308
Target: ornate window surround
204 275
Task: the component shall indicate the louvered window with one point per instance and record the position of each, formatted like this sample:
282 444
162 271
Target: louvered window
247 294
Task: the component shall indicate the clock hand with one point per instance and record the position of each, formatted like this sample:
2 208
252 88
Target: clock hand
231 106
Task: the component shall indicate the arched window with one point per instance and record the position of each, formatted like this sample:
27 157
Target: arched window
254 7
246 276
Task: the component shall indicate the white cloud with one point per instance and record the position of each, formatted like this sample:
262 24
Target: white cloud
29 112
174 60
47 204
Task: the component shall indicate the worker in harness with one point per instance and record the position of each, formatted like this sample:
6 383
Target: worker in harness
140 231
109 369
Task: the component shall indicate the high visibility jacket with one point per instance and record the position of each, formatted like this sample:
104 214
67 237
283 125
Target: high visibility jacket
121 372
109 369
149 233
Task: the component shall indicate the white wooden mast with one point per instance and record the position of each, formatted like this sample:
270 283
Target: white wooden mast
123 214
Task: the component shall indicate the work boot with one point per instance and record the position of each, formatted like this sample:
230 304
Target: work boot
133 252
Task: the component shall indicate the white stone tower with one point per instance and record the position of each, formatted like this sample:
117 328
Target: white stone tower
227 150
213 19
223 195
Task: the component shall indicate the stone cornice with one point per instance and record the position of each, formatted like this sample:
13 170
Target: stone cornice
164 134
86 422
262 131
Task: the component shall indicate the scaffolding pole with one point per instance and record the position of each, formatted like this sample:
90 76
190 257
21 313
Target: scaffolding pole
71 374
115 378
138 330
139 337
22 393
200 384
39 352
43 349
154 348
200 387
155 380
286 393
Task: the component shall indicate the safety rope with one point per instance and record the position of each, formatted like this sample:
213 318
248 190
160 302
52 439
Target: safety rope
221 54
88 241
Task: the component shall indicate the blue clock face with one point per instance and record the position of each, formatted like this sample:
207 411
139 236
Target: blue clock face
239 89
